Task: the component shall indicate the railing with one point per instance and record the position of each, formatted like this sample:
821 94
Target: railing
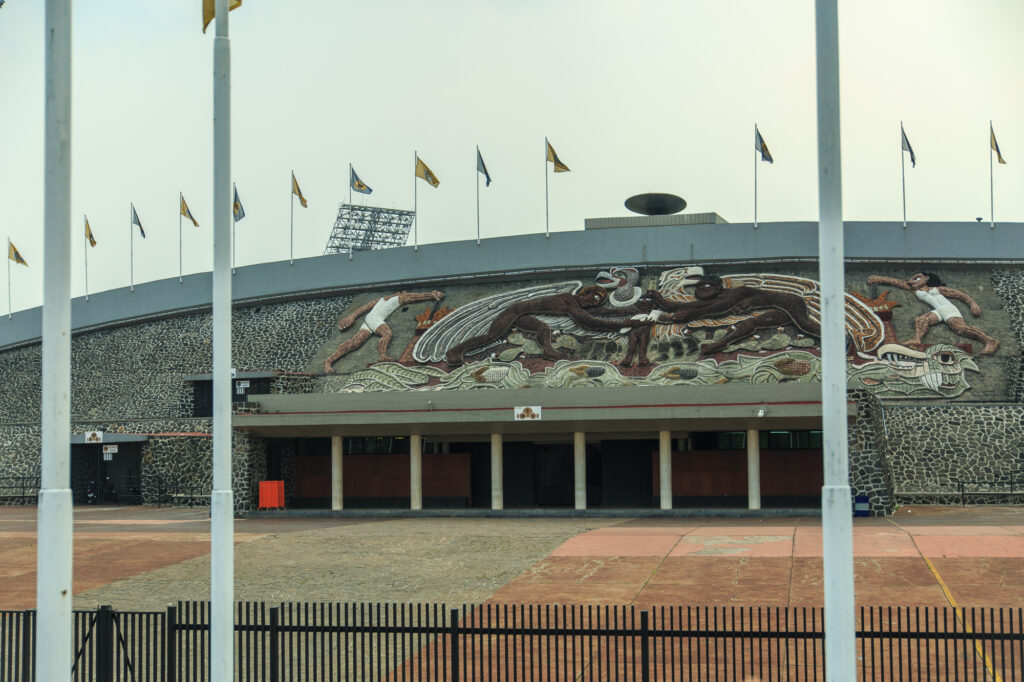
1009 490
430 643
177 494
19 489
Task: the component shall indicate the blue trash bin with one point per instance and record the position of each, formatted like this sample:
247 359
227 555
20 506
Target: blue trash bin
861 507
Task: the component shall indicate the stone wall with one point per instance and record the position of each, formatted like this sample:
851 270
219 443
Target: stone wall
870 473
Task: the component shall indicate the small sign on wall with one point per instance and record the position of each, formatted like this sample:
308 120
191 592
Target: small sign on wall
240 386
93 436
525 414
109 449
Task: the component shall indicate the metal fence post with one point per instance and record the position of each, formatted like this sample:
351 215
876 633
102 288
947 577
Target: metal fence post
275 624
28 629
171 644
645 646
453 634
104 638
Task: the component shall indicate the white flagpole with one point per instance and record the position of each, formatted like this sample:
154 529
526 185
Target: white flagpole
222 497
85 247
131 247
755 179
350 184
836 507
477 160
903 174
180 270
991 182
547 218
54 516
291 230
8 278
234 221
415 211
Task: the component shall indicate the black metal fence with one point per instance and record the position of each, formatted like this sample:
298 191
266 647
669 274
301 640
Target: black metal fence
18 490
429 642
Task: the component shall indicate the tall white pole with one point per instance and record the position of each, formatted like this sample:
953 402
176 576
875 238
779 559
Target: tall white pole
222 499
991 182
903 175
180 270
547 218
836 507
53 554
755 180
350 184
291 229
477 197
8 278
234 189
415 210
131 247
85 248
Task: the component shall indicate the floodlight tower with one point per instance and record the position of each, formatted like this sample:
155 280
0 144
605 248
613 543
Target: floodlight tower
365 228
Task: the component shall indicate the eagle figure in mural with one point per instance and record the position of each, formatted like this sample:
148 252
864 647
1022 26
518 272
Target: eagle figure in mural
545 310
799 302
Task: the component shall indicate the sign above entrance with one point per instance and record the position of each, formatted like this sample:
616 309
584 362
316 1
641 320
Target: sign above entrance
109 449
93 436
525 414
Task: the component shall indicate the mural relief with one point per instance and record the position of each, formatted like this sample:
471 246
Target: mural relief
755 328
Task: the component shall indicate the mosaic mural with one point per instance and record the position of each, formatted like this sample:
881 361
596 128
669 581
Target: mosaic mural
753 328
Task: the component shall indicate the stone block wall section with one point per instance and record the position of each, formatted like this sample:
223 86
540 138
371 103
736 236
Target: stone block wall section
870 473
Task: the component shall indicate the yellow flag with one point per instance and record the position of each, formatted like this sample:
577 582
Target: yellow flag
423 172
88 234
209 10
298 192
13 254
994 144
553 158
187 213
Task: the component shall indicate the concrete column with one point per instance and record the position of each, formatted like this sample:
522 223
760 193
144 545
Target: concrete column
337 498
579 444
416 472
497 480
665 468
753 469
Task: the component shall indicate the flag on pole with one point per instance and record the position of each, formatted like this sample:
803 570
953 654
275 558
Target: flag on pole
423 172
298 192
136 221
209 10
553 158
761 146
481 167
88 234
994 144
13 254
187 213
908 148
356 184
237 209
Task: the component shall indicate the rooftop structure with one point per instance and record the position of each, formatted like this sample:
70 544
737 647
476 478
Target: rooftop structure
365 228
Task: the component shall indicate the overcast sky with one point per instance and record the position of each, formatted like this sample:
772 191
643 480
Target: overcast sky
635 97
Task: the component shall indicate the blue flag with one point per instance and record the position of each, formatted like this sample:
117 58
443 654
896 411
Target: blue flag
481 167
355 183
237 207
761 146
136 221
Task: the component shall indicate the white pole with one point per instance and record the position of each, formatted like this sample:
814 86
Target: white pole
180 270
85 247
291 229
903 175
415 211
54 516
234 189
836 508
478 197
755 180
991 182
8 278
547 217
131 247
350 184
222 500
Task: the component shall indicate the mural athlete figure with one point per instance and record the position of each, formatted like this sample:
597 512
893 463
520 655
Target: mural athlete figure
640 336
521 315
766 309
377 312
929 288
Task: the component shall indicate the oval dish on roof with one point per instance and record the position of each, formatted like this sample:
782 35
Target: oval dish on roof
655 203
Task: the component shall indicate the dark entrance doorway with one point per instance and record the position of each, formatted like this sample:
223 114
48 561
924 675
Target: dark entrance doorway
106 478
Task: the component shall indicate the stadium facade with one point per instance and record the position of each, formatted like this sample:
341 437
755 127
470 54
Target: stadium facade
642 363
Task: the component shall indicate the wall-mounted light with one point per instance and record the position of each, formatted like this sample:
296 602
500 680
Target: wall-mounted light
762 412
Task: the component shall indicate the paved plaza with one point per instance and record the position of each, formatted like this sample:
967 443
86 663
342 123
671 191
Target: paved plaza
145 558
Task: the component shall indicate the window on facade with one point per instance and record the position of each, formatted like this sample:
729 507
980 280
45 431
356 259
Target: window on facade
769 440
202 397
